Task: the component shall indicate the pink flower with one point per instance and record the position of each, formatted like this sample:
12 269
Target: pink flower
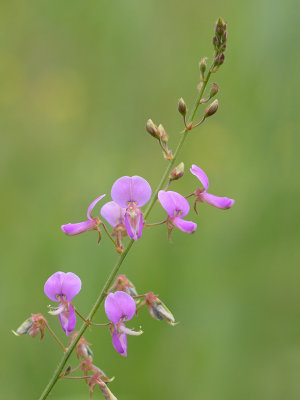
132 193
120 307
114 215
177 207
203 196
63 287
80 227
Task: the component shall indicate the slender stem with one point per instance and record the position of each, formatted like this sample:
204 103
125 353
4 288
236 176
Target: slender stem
55 337
156 223
87 321
109 235
118 264
76 377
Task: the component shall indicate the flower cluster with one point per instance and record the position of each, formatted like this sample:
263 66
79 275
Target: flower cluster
129 194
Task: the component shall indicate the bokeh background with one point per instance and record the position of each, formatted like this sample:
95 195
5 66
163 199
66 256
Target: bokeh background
78 81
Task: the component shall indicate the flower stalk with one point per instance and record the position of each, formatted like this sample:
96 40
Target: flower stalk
87 322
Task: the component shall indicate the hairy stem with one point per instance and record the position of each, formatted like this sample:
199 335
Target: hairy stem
118 264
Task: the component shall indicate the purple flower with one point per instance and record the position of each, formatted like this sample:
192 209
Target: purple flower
203 196
114 215
89 225
177 207
120 307
63 287
132 193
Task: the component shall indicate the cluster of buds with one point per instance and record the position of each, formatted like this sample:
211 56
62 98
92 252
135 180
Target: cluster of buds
219 42
159 133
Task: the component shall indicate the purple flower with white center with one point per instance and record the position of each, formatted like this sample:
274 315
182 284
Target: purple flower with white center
203 196
177 207
63 287
120 307
132 193
89 225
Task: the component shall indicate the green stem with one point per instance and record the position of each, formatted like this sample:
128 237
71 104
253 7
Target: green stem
117 266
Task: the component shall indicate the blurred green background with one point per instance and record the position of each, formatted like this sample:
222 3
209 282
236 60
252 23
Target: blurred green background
78 81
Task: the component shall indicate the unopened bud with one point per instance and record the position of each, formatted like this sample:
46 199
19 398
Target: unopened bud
221 24
68 370
162 133
220 59
152 129
211 109
214 90
158 310
182 107
202 66
177 172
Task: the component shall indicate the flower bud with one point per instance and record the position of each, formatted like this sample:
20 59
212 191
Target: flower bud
152 129
220 59
220 24
158 310
177 172
211 109
162 133
216 43
202 67
214 90
182 107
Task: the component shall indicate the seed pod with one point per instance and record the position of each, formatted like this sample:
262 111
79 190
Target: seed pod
24 328
158 310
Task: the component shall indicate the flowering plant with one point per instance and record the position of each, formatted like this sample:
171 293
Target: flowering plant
125 214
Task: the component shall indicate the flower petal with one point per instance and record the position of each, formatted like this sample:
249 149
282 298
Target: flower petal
185 226
201 175
216 201
80 227
52 287
113 213
120 342
129 230
68 320
141 225
133 189
71 285
119 305
173 203
92 205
